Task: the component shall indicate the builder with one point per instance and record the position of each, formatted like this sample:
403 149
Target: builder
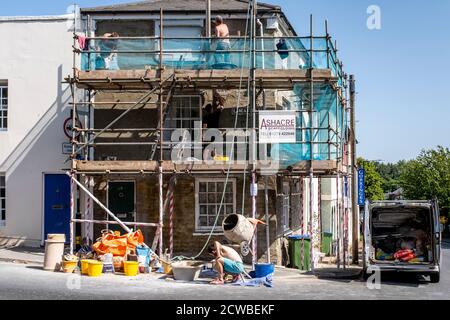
223 43
226 260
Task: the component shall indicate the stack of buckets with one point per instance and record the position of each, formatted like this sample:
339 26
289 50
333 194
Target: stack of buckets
94 268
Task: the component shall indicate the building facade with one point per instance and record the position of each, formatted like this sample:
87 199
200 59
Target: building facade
137 101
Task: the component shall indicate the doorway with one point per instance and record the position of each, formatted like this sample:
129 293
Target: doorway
121 201
57 205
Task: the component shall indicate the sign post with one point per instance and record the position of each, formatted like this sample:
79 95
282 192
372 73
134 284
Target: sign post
361 187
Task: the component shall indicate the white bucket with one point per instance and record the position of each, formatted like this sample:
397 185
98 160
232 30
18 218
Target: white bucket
54 252
238 228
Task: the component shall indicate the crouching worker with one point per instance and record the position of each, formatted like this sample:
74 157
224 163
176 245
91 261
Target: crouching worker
227 260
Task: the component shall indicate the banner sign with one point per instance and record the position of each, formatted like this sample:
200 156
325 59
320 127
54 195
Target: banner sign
361 188
277 127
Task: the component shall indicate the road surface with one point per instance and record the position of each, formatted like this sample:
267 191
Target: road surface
18 281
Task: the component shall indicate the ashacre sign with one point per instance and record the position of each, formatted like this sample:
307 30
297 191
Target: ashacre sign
361 188
277 127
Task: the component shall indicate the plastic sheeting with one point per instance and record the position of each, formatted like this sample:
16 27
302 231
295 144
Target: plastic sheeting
324 129
198 54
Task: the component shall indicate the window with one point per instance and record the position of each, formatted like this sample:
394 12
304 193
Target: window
183 112
2 200
208 196
3 106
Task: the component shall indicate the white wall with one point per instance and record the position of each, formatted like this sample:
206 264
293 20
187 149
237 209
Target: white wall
35 58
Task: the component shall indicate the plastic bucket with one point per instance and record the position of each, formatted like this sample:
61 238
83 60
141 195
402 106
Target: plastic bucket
95 268
69 266
167 268
85 266
131 268
264 269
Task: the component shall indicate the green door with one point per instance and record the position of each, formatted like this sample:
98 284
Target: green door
121 202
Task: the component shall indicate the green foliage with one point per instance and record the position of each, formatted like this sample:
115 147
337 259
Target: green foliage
390 174
373 184
428 177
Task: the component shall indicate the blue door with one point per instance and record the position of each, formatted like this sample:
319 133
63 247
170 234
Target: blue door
57 205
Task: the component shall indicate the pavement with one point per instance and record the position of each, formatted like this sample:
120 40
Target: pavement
22 255
29 281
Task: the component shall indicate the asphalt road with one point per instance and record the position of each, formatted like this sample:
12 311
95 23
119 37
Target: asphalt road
30 282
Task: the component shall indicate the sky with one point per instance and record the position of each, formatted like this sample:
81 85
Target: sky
402 69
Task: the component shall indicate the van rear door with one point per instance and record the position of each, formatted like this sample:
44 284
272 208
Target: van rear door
367 236
437 231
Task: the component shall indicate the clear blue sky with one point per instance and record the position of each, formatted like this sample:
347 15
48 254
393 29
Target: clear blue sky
402 70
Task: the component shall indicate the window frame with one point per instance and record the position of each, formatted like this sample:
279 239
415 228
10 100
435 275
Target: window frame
4 85
2 199
206 229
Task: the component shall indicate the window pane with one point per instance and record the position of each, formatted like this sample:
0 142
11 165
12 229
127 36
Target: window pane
212 210
2 181
5 123
211 220
211 187
211 198
229 209
229 198
203 220
203 210
220 186
3 204
229 187
202 198
2 192
202 187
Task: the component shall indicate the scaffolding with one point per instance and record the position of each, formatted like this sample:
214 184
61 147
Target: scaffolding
317 82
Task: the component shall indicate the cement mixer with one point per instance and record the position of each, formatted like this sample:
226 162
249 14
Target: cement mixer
240 230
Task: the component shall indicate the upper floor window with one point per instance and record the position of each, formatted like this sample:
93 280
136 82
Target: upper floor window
3 105
2 200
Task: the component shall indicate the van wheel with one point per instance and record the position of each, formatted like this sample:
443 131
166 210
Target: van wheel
435 277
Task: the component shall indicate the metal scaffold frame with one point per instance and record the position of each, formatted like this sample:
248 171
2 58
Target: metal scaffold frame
163 83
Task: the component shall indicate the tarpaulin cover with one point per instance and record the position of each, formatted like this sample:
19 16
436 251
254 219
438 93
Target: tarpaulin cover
118 245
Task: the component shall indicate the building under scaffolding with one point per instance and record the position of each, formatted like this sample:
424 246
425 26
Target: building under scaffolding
146 157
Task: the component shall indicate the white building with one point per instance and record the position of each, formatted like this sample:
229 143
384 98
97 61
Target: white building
33 63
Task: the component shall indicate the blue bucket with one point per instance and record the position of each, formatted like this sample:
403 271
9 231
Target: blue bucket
264 269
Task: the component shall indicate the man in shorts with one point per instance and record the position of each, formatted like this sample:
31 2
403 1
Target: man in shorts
227 260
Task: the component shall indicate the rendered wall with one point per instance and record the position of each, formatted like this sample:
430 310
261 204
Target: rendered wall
37 58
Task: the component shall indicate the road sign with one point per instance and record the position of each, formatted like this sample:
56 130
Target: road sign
361 188
66 148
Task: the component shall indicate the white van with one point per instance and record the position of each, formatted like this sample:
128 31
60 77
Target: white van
402 236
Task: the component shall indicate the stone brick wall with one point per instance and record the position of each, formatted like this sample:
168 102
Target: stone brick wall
186 240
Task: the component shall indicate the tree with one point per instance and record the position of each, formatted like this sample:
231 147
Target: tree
390 174
373 183
428 177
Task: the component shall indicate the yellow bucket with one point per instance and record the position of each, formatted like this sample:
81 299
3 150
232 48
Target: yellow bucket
95 268
131 268
85 266
167 268
69 266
